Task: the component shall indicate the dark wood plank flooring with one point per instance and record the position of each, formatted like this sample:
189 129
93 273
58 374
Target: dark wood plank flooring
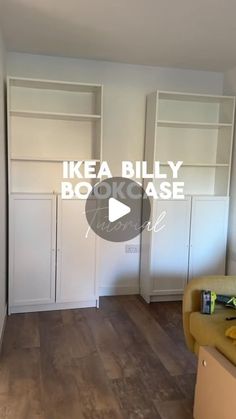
127 360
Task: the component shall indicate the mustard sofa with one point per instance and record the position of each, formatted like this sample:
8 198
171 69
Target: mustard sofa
209 330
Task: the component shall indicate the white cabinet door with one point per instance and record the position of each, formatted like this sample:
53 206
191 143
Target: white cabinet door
170 247
32 249
76 254
208 235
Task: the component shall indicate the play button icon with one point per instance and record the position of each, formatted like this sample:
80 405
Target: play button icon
117 210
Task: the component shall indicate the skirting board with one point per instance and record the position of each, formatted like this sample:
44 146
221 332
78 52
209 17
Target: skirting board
3 328
159 298
115 290
51 307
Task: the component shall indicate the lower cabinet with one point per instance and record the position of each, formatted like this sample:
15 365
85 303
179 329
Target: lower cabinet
53 252
32 241
169 260
191 242
76 254
209 225
51 263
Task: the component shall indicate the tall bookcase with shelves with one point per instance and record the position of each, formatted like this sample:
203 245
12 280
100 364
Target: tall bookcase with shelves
50 122
197 130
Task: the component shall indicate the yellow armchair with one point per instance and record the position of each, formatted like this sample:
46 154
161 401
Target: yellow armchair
209 330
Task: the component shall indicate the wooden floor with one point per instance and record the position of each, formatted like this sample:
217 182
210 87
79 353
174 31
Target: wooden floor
125 360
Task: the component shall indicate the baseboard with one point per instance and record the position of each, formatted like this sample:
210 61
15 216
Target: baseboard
53 306
159 298
146 298
3 329
119 290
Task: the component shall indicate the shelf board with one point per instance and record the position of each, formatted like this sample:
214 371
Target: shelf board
195 97
184 124
199 164
54 85
50 160
54 192
55 115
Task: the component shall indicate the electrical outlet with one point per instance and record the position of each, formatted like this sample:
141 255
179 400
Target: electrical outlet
131 248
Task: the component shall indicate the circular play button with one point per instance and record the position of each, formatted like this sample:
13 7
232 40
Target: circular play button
121 209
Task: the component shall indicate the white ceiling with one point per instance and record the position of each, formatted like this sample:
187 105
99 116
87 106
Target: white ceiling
197 34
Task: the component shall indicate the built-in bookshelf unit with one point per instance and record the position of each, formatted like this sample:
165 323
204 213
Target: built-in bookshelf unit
51 264
49 122
197 130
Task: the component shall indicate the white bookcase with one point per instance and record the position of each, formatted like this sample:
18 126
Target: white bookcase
50 122
198 130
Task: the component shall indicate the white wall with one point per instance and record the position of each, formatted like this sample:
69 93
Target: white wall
125 90
3 218
230 88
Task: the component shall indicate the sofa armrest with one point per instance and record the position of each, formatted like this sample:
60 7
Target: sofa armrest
225 285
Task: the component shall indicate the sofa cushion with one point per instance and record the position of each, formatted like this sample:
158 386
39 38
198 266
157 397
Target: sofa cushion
209 330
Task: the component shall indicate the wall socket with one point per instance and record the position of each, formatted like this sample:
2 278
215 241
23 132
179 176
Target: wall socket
131 248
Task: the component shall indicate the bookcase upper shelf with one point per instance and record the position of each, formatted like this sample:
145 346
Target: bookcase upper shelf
194 110
194 97
196 129
54 85
199 164
54 99
49 159
187 124
51 121
55 115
